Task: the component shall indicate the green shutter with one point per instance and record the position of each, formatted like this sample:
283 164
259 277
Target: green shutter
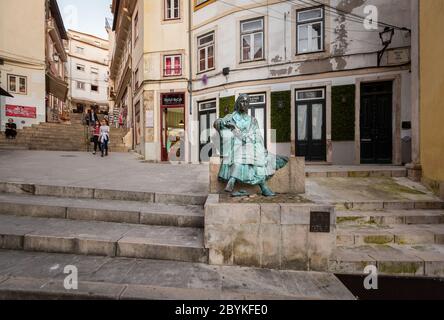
343 113
281 115
226 104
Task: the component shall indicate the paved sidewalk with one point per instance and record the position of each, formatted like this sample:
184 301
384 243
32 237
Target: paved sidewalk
119 171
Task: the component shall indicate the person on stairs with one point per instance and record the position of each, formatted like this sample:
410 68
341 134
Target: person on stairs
96 137
104 137
11 129
93 117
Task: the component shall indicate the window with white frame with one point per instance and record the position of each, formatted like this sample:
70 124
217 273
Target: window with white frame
80 50
205 45
252 40
172 65
310 30
17 84
80 67
80 85
172 9
136 27
136 79
94 70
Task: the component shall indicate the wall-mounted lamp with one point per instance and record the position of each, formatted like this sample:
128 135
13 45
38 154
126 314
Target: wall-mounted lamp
386 38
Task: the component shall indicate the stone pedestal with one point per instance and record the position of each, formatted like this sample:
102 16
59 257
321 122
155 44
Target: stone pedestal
290 179
414 172
274 236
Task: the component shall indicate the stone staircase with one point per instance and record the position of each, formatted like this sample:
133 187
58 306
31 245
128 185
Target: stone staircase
127 245
402 238
108 223
59 137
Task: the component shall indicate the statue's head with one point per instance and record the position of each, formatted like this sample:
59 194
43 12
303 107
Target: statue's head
242 103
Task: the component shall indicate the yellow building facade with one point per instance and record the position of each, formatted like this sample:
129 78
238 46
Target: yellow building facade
432 93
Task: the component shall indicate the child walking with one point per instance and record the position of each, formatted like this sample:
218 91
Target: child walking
104 137
96 137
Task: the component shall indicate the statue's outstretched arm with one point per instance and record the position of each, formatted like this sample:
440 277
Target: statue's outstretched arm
224 123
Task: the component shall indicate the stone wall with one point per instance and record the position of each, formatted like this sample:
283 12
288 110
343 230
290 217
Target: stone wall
274 236
290 179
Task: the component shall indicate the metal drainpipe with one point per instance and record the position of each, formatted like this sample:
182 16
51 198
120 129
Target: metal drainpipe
190 77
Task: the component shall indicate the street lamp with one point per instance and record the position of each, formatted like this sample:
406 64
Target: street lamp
386 38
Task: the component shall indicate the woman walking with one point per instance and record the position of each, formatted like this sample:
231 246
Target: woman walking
96 136
104 137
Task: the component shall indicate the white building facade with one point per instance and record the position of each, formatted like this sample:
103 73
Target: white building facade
88 72
32 62
311 68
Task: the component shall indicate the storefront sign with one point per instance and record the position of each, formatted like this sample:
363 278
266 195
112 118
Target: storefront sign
177 99
21 112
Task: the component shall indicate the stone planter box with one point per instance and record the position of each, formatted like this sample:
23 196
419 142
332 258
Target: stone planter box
274 236
290 179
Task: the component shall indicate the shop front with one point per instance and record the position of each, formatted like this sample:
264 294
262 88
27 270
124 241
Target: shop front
172 126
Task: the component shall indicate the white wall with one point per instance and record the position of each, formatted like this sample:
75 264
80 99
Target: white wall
93 57
89 79
35 96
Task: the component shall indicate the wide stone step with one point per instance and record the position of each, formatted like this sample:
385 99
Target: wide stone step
102 239
5 146
99 193
405 260
39 146
135 212
390 217
389 205
40 276
355 171
398 234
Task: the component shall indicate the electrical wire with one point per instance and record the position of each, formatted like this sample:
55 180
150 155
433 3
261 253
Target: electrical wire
350 17
376 44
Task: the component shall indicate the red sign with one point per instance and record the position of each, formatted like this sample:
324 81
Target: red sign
21 112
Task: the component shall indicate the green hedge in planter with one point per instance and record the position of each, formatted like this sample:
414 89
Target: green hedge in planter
226 103
343 113
281 115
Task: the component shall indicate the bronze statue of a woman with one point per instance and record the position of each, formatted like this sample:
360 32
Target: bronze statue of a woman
244 156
